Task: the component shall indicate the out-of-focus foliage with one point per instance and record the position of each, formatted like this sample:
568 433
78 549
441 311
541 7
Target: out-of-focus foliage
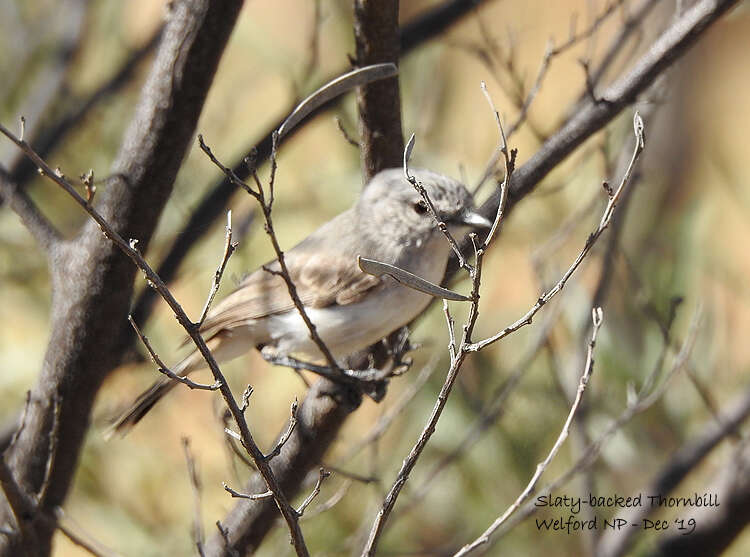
685 235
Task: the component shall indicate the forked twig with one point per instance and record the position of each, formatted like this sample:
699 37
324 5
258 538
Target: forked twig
596 317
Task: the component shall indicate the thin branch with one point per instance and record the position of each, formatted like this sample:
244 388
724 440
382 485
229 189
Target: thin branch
490 414
574 38
21 423
322 475
254 497
349 139
54 437
78 537
351 475
165 370
640 403
229 248
45 234
313 45
430 206
451 325
510 164
195 485
333 500
265 205
155 281
224 533
596 317
523 111
287 434
527 318
383 423
50 136
21 505
410 461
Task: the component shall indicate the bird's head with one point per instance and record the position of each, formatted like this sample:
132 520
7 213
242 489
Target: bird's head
398 209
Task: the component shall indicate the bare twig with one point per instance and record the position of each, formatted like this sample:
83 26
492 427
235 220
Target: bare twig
590 241
475 272
82 539
675 470
21 422
333 500
490 414
288 433
384 421
45 234
21 505
349 139
254 497
510 164
596 318
229 248
451 325
224 533
641 402
322 475
54 437
575 38
430 206
313 46
266 206
165 370
247 439
523 110
195 485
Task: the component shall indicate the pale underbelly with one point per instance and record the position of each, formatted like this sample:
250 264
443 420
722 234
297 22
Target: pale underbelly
347 329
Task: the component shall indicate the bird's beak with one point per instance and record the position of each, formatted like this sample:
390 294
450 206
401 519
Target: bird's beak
474 219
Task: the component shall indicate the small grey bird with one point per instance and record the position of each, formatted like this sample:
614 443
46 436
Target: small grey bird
351 310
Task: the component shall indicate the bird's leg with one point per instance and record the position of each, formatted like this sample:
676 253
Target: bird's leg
397 345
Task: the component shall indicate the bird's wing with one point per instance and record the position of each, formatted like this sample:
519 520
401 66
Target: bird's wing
320 281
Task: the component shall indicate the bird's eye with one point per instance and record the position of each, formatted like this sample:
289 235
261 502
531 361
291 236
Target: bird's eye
420 207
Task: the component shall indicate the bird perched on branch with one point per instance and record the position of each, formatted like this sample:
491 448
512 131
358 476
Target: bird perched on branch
390 223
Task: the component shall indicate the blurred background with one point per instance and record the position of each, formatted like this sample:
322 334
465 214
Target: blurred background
681 250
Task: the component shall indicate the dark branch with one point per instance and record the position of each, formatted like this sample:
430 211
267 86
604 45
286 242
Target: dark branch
35 222
51 136
379 104
92 280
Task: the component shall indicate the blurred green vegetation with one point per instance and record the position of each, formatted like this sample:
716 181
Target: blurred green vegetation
685 235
